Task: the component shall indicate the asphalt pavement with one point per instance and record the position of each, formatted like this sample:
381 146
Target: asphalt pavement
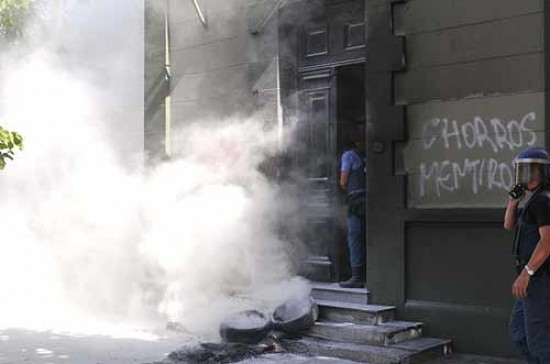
19 346
31 347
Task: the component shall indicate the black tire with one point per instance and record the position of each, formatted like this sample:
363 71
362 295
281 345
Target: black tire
247 327
295 316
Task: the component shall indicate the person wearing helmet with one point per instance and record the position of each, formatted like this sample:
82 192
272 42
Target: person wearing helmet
530 318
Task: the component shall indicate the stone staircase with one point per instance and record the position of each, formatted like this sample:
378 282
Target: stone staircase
349 328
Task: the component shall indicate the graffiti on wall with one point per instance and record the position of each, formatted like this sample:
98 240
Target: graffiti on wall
460 153
490 172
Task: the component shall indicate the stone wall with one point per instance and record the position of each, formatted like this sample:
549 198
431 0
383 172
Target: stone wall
225 69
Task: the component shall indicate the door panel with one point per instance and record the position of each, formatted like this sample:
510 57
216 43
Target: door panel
317 150
318 134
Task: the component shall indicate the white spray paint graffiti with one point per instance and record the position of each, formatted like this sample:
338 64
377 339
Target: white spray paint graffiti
475 174
451 176
477 133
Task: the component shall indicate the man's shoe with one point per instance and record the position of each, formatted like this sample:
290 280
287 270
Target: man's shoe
357 279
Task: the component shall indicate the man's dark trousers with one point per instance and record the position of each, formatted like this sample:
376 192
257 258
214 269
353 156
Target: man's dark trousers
530 320
356 242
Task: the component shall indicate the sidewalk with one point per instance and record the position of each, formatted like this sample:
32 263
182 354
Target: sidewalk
473 359
18 346
293 359
451 359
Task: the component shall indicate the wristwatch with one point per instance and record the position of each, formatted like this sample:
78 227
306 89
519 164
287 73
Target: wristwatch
529 271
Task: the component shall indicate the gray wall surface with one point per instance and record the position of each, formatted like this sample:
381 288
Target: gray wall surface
457 62
223 70
219 71
443 131
156 84
459 153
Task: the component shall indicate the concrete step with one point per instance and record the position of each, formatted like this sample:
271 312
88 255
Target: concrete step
414 351
456 358
333 292
384 334
426 348
352 312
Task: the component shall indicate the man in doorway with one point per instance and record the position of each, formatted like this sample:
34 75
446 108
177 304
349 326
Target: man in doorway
530 319
352 181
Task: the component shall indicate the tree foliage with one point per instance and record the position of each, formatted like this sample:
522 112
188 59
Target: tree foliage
9 142
13 16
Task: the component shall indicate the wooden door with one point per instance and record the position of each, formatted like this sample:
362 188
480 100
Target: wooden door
328 34
317 141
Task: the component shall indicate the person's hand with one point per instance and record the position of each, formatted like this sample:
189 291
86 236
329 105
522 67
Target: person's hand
519 190
519 289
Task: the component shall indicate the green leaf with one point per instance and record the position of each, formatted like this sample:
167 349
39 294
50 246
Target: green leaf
18 140
8 140
13 16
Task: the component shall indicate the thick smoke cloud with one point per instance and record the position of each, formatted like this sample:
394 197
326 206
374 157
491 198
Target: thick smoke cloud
88 237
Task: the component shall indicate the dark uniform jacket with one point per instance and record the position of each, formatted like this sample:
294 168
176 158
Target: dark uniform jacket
532 216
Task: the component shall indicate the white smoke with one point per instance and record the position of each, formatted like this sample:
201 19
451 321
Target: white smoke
88 240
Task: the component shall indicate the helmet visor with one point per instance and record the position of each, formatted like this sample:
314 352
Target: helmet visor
526 172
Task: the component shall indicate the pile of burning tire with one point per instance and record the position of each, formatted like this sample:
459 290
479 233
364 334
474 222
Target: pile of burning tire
251 327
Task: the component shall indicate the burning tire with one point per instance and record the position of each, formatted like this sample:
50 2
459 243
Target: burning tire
295 315
248 327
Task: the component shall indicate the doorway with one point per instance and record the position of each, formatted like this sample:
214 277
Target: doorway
350 103
332 109
350 111
322 81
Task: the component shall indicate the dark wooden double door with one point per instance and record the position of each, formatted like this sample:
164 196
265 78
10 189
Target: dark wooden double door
327 83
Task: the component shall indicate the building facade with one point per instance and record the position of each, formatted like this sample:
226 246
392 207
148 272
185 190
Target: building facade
447 92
